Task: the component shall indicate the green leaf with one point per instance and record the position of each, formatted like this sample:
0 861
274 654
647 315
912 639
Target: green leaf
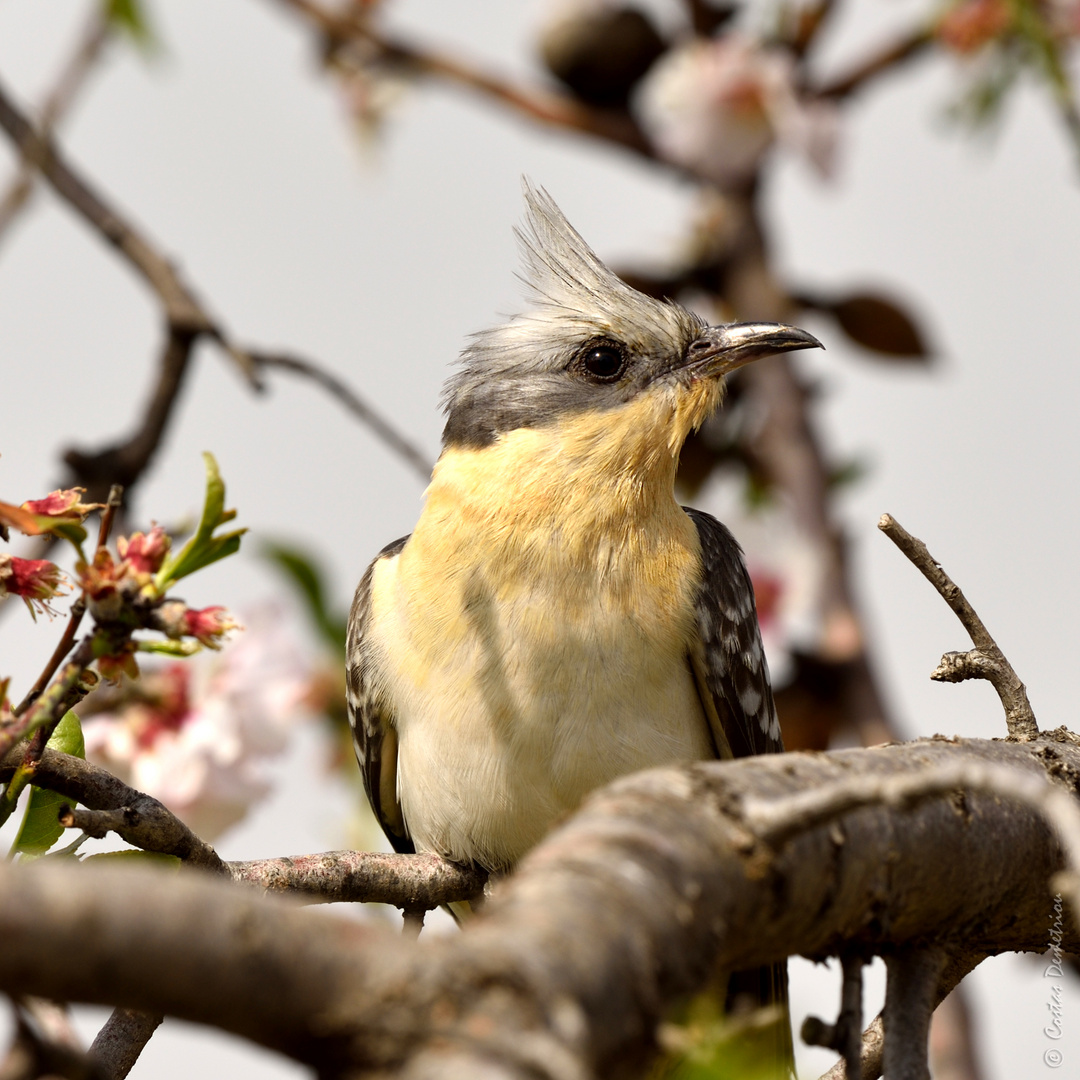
203 548
41 827
129 16
307 577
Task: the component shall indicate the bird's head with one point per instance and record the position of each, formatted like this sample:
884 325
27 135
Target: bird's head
590 344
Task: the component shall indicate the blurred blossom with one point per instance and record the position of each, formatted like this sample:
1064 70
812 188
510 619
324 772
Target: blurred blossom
718 106
971 24
199 734
62 504
1063 17
37 581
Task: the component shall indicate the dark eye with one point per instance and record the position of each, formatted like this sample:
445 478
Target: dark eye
603 362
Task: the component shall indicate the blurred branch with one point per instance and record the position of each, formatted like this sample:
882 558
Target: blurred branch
187 319
182 309
342 392
72 79
892 55
536 103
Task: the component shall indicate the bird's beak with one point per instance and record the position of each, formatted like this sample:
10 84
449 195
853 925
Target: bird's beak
720 349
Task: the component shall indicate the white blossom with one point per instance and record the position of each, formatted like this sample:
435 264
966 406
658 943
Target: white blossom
198 734
717 106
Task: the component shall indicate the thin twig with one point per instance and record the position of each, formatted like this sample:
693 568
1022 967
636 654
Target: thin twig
187 320
987 661
353 402
181 307
72 79
63 647
112 504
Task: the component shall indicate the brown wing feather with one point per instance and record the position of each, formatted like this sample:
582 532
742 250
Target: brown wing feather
372 720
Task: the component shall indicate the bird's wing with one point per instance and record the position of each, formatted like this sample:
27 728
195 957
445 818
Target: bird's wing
371 717
729 661
733 680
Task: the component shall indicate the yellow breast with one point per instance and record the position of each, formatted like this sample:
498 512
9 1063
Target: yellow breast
534 633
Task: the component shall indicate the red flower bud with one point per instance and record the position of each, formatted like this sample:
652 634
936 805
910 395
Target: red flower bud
145 551
209 625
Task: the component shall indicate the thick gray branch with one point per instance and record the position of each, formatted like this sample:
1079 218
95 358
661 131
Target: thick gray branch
632 903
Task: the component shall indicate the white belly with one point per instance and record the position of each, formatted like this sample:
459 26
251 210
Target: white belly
512 702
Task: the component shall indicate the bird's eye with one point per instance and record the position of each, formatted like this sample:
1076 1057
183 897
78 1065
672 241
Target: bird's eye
603 362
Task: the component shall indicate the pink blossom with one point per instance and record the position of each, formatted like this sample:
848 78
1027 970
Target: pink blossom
209 625
717 106
63 503
199 735
145 552
37 581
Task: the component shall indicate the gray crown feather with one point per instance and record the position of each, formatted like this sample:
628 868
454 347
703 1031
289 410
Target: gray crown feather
511 374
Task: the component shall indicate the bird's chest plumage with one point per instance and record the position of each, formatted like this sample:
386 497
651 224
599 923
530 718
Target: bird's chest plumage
534 640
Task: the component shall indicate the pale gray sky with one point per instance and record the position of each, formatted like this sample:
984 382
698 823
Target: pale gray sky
235 154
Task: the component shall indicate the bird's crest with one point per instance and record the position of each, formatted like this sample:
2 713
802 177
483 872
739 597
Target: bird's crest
563 274
515 375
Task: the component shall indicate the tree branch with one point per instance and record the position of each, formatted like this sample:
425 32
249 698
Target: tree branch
118 1044
898 52
987 661
186 318
546 106
635 901
72 78
342 392
406 881
142 820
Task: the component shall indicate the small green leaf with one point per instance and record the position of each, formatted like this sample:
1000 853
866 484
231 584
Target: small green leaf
41 827
129 16
203 548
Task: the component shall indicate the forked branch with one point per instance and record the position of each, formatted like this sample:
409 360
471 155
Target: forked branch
986 660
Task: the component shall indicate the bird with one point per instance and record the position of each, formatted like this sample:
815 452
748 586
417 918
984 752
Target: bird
556 619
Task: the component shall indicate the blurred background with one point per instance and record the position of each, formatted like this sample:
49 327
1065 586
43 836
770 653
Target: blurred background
340 185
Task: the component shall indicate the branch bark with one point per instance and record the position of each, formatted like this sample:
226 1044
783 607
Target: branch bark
633 902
